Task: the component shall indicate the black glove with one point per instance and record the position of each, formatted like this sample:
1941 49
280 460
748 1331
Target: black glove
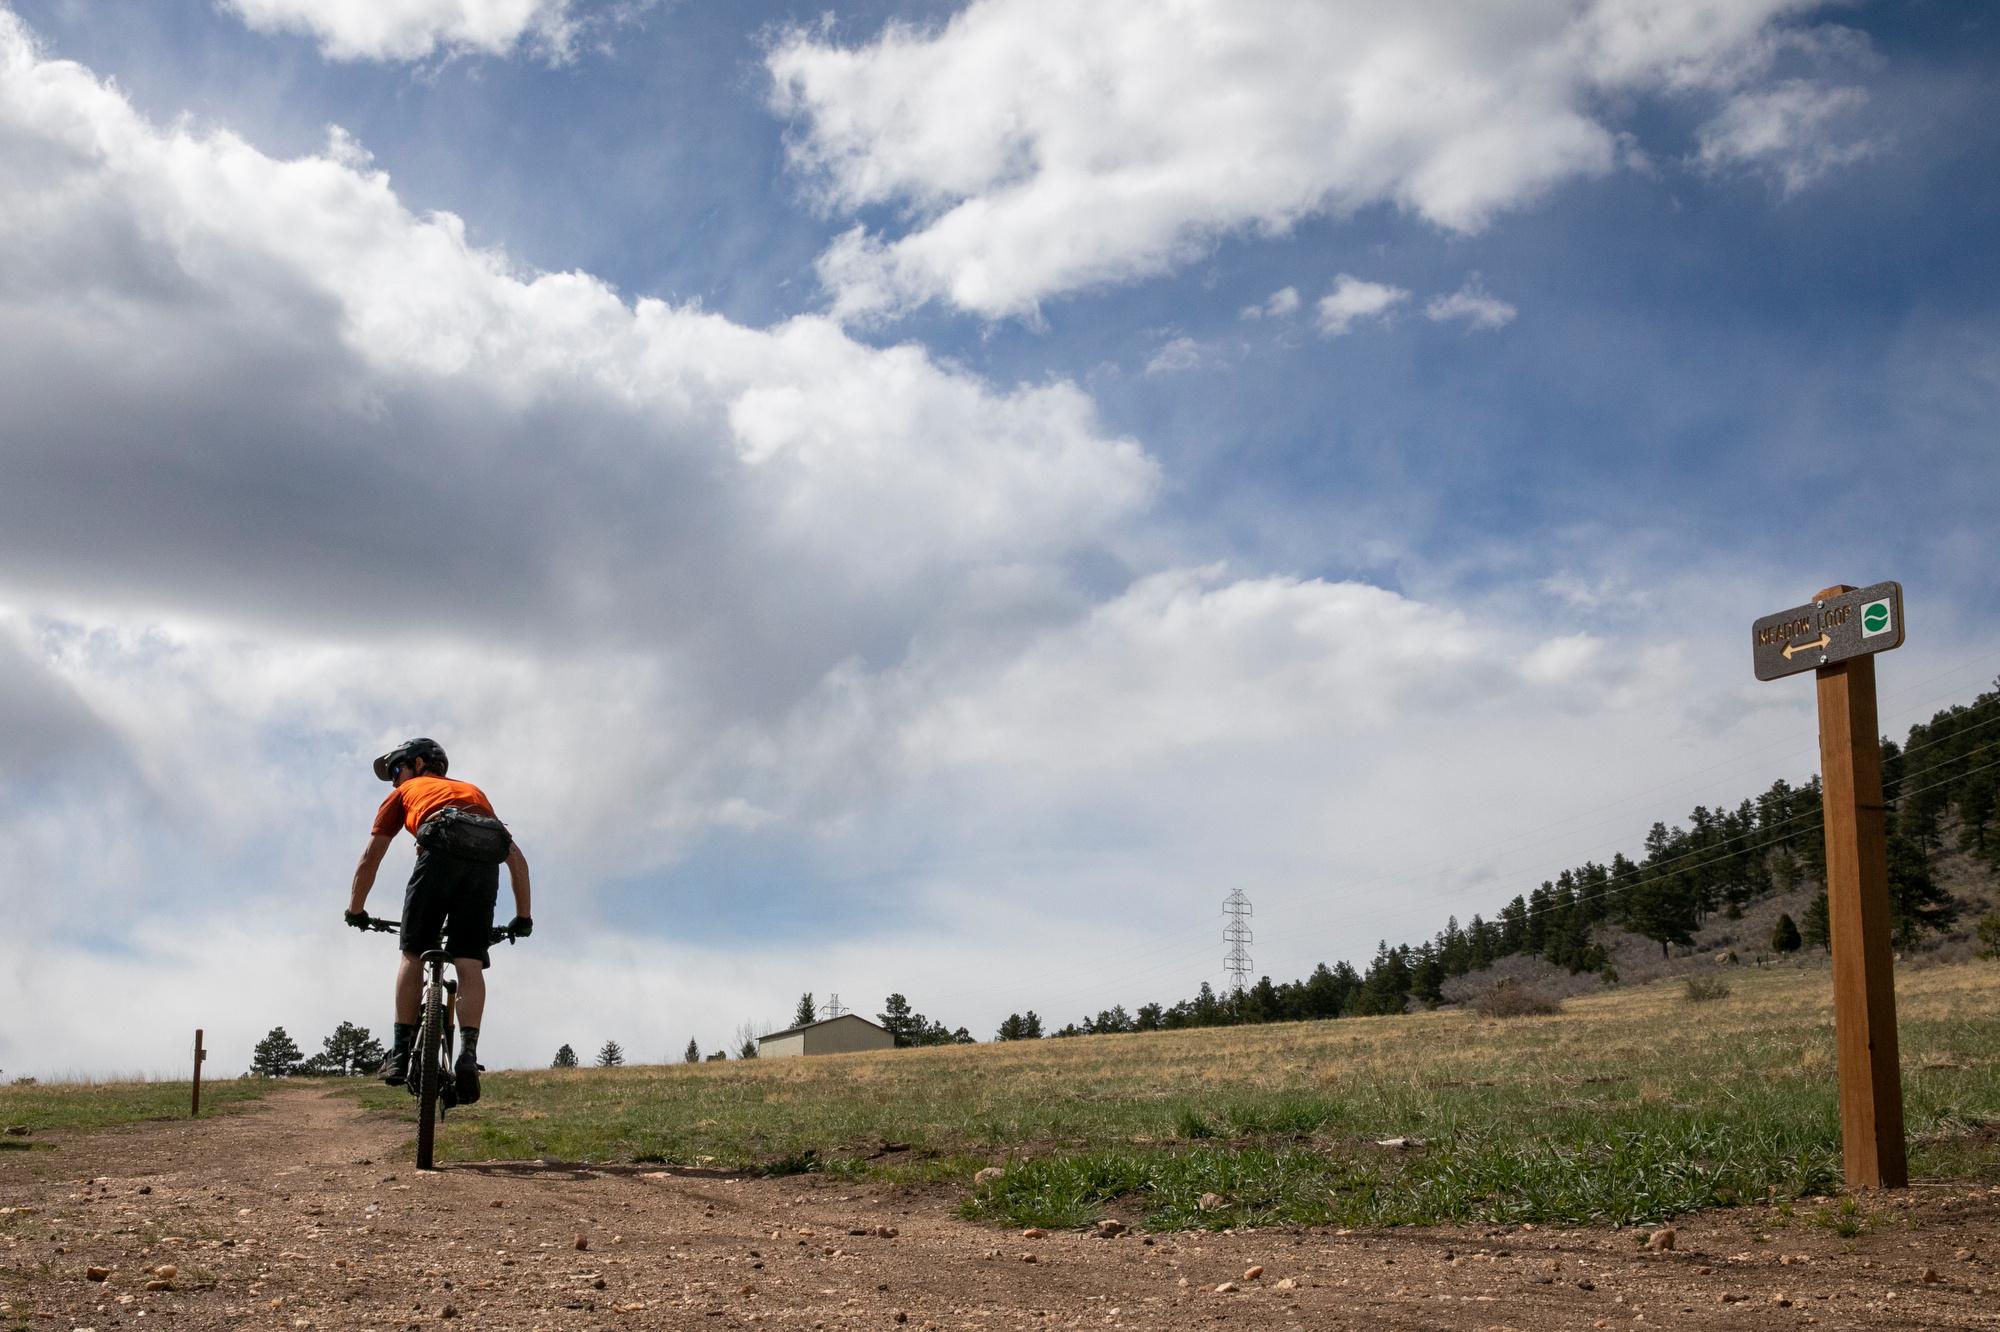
358 919
521 927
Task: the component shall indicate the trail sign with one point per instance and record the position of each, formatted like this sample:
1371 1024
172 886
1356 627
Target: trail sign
1831 629
1836 637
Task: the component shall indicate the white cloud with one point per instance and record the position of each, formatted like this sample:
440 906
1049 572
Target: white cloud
1353 299
303 472
193 274
416 29
1479 308
280 428
1791 131
1188 658
1043 146
1177 356
299 472
1281 304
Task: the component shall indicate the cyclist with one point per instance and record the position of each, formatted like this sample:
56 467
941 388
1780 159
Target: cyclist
451 893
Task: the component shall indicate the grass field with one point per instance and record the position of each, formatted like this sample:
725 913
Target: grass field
1631 1105
92 1105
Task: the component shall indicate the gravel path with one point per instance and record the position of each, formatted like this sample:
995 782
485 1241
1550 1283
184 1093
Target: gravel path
306 1213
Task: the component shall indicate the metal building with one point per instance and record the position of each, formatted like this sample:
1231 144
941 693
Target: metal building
836 1035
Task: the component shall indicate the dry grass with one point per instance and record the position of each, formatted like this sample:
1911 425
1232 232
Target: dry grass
1625 1105
47 1106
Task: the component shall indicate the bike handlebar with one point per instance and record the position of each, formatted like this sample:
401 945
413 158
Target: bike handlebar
500 934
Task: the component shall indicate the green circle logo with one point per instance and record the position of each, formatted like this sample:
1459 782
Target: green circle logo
1875 617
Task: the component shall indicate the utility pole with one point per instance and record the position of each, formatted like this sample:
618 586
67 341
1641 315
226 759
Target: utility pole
1236 934
832 1007
1835 637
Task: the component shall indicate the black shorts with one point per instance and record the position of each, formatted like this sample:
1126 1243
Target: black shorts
450 897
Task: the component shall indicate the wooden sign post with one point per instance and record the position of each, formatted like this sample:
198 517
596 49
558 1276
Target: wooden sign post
1836 638
1857 902
199 1055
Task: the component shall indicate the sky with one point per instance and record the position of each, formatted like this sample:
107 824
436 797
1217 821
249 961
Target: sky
932 496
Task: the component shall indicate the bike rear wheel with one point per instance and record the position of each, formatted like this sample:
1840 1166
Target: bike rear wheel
430 1076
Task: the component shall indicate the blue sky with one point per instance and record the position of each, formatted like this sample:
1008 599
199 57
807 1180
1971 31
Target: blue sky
934 497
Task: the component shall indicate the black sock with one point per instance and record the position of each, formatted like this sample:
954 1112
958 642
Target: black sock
406 1036
468 1041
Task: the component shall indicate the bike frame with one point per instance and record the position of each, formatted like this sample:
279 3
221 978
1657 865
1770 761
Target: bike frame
431 1078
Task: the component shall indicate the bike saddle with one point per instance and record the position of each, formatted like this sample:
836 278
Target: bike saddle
436 955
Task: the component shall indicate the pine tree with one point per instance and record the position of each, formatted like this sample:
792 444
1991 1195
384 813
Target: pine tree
1387 986
1815 926
565 1058
275 1056
1785 936
1427 977
611 1056
1325 997
897 1019
806 1014
1663 910
349 1053
691 1055
1917 903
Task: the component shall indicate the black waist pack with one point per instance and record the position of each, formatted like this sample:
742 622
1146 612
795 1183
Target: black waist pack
467 834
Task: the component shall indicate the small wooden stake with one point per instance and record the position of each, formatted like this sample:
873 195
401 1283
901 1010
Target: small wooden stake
1857 898
199 1055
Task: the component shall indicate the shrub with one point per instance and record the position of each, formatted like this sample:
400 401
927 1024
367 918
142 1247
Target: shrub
1701 989
1508 997
1190 1124
1785 936
1989 934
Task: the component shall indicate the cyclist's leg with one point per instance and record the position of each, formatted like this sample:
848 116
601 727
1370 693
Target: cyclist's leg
409 989
474 888
471 991
467 932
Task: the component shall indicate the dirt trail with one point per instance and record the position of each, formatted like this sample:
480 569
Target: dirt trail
306 1213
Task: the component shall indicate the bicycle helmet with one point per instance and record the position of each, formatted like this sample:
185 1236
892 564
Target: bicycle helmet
430 751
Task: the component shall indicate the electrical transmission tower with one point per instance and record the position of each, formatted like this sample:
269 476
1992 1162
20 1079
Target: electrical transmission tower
832 1007
1237 960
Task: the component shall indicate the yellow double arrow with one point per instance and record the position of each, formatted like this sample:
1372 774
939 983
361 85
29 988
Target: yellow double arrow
1810 645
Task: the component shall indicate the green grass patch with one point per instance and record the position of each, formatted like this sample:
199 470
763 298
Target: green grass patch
1623 1108
42 1107
1631 1173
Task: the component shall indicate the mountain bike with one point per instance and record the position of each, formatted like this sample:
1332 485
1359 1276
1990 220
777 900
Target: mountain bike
431 1078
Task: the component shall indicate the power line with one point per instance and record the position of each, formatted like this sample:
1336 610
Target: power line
1398 878
1393 881
1176 942
1679 864
1773 841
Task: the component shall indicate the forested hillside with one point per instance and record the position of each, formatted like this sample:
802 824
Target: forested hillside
1940 785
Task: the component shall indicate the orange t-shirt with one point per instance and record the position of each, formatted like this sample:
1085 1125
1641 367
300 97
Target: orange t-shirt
420 797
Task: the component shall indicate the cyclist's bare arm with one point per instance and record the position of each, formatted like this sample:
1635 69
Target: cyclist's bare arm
517 874
364 873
